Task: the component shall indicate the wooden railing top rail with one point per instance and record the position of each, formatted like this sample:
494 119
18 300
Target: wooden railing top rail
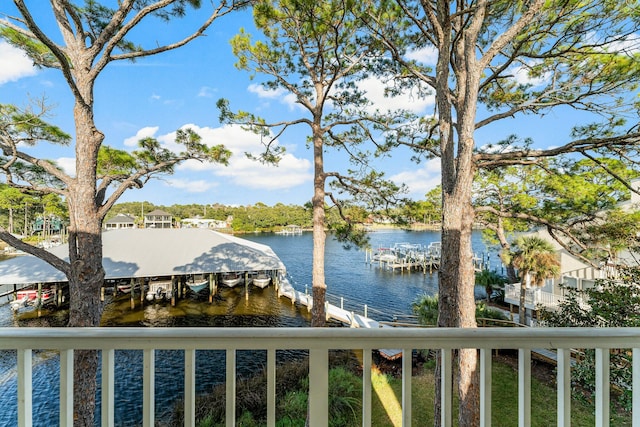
316 338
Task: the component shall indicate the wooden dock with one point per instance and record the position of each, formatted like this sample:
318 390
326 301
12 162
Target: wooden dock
333 312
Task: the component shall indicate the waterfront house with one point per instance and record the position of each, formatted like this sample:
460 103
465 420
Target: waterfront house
198 222
120 221
574 272
48 225
158 219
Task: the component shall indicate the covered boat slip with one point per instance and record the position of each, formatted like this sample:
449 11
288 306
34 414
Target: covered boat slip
142 254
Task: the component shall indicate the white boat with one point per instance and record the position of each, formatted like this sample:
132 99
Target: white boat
124 287
231 279
385 255
261 280
198 286
159 290
30 297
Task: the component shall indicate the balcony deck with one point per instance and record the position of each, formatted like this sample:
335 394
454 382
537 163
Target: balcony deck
318 341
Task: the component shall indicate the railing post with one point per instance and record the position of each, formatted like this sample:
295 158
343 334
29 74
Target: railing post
231 388
318 388
446 387
108 387
524 387
407 355
25 388
635 406
148 388
190 387
564 387
366 387
66 388
602 387
271 388
485 387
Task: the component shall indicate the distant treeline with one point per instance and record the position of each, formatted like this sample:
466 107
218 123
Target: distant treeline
258 217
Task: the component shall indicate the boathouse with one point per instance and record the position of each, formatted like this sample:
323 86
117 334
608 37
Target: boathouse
142 253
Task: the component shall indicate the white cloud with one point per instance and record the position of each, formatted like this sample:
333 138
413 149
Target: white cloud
522 76
290 172
279 94
146 132
68 165
427 55
421 180
206 92
192 186
15 64
375 92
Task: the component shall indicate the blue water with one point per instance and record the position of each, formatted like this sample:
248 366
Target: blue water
351 282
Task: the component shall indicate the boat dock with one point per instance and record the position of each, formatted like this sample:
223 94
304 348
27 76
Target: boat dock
407 257
333 312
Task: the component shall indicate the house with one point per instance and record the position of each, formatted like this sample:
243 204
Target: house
120 221
574 272
48 225
158 219
203 223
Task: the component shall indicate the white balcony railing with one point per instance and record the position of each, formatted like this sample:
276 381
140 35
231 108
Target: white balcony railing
319 341
535 297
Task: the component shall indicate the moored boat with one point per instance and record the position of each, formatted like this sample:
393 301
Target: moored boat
159 290
198 286
231 279
262 280
30 297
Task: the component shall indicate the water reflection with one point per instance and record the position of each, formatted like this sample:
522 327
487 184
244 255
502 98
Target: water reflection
230 307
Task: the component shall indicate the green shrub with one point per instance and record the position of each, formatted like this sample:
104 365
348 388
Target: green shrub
426 308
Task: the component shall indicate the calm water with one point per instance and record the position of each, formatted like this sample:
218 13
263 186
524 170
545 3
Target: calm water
350 281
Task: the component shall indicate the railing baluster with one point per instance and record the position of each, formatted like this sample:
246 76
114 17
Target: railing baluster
635 370
66 388
524 387
406 387
485 387
602 387
231 388
108 386
271 387
319 387
25 388
366 387
148 388
446 388
190 387
564 387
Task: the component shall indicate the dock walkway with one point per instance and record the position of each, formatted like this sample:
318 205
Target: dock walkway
336 313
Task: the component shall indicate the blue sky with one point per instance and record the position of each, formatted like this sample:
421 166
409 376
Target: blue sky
157 95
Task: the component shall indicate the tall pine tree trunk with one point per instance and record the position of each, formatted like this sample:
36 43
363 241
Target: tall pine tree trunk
456 302
85 256
319 287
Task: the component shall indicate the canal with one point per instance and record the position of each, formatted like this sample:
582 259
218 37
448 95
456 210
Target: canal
351 282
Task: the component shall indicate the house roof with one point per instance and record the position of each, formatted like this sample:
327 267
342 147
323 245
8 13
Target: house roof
158 212
154 252
121 218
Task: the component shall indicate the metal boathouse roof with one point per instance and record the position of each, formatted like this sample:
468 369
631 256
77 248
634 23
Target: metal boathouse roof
153 252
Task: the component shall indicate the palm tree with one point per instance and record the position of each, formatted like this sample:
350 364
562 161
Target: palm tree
535 260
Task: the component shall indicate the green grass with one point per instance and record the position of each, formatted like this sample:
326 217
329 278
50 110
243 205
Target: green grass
504 411
345 385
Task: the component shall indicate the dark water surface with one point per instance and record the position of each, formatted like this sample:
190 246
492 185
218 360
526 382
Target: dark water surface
350 281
